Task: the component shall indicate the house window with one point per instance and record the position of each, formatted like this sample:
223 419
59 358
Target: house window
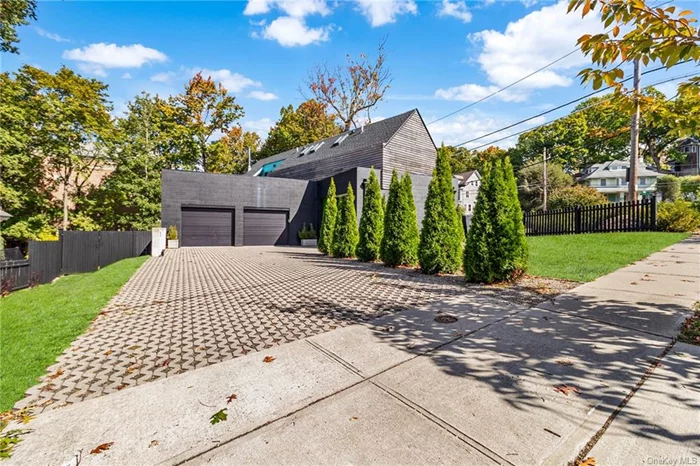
269 168
469 207
603 181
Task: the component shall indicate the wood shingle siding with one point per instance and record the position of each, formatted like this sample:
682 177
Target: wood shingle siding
410 149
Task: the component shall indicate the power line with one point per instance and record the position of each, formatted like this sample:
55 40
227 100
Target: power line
524 77
559 107
556 108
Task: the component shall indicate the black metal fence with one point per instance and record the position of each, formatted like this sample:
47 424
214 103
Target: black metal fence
614 217
74 252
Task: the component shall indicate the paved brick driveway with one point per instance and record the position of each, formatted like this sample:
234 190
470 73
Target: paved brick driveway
199 306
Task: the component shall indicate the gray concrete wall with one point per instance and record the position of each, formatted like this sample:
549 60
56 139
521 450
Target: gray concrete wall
197 189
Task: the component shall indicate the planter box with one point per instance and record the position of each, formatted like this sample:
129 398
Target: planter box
309 243
173 244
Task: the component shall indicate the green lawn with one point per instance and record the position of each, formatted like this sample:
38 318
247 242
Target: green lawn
586 257
38 324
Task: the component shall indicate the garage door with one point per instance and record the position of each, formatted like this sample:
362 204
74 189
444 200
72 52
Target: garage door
264 227
207 227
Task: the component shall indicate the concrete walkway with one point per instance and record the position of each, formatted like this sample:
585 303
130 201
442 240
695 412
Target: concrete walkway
594 372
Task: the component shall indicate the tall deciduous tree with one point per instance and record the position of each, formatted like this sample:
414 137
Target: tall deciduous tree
531 183
440 248
230 153
14 13
650 34
308 123
328 219
205 109
345 236
372 221
71 128
353 90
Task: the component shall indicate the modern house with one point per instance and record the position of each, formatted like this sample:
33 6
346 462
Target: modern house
690 149
610 178
469 183
269 204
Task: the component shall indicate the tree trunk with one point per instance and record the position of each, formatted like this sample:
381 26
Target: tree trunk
65 205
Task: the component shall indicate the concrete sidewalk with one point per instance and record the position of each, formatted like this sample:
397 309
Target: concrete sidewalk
501 385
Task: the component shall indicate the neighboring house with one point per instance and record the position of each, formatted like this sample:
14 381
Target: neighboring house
690 148
269 204
469 183
610 178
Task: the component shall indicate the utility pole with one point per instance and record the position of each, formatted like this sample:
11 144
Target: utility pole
634 152
249 164
544 179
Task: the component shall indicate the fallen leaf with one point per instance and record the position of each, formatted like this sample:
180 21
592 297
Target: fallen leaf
56 374
590 461
268 359
131 369
633 283
564 362
122 386
354 418
231 398
134 347
108 352
565 389
166 362
154 443
218 416
101 448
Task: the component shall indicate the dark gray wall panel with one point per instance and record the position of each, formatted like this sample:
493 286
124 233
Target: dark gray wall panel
206 227
197 189
411 150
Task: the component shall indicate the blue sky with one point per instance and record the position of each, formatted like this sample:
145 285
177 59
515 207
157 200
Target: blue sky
442 54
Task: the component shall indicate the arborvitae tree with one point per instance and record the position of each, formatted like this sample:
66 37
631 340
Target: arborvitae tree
518 241
440 249
328 218
372 221
413 237
345 236
476 252
496 248
400 241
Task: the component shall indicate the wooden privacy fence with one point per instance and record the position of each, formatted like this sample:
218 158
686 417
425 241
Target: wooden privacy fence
74 252
614 217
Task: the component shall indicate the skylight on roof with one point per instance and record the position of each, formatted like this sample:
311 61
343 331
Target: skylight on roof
316 147
340 139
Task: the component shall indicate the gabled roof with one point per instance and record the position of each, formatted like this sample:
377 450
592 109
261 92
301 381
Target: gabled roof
604 170
464 177
369 136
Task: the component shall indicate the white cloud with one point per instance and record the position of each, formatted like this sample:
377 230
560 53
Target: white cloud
290 31
90 68
525 46
261 126
164 77
260 95
456 9
296 8
474 92
233 82
531 43
380 12
465 127
127 76
98 57
50 35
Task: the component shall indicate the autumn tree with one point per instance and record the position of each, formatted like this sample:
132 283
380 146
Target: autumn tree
71 128
14 13
25 190
230 153
205 108
352 90
636 31
308 123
